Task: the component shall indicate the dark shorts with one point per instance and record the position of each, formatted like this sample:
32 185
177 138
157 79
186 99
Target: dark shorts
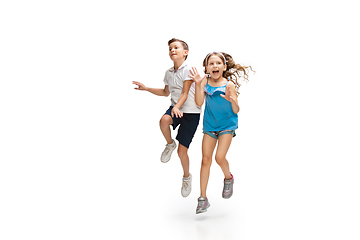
188 125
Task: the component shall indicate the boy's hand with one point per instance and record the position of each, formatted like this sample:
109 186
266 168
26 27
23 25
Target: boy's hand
227 95
175 111
140 86
196 76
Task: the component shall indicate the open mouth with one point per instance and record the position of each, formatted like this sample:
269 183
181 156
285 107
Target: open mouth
215 72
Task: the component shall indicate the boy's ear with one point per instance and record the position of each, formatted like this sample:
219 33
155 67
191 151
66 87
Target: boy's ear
186 52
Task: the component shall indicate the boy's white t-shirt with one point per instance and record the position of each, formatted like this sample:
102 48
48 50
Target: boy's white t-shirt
175 80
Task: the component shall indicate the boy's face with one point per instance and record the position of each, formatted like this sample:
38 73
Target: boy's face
177 51
215 67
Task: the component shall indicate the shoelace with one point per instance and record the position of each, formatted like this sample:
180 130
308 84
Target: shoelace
167 149
202 203
227 186
185 184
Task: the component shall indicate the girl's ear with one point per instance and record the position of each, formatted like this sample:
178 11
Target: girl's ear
225 67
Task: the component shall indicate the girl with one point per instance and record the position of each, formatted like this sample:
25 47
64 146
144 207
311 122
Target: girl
220 88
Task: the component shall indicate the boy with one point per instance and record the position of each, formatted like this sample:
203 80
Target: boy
183 110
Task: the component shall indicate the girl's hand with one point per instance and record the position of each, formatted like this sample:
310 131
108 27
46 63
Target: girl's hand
196 76
175 111
227 95
140 86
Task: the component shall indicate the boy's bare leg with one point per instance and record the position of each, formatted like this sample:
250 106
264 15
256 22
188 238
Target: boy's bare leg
184 158
165 123
187 179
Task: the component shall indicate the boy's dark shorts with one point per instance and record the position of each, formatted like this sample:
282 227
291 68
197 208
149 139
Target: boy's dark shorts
188 125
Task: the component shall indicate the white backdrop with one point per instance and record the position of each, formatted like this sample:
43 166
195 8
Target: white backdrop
80 148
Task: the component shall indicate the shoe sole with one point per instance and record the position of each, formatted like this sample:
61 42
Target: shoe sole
227 196
202 211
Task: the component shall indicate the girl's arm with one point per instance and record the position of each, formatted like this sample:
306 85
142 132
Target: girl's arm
200 93
157 91
184 94
199 86
230 95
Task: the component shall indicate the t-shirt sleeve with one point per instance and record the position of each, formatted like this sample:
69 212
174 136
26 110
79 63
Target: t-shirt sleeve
186 74
166 82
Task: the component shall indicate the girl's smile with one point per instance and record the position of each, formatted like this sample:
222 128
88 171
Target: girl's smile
215 67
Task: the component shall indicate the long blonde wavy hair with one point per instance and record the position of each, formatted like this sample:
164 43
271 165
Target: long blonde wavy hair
234 72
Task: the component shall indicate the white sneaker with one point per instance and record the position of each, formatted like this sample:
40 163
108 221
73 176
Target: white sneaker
166 154
186 186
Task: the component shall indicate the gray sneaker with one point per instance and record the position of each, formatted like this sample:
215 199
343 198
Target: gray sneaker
228 187
166 154
203 205
186 186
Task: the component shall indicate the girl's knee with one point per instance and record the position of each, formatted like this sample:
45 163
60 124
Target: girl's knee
206 161
219 159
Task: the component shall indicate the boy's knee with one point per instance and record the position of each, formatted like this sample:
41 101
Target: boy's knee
165 121
182 151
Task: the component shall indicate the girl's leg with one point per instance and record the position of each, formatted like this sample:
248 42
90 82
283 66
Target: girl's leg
165 123
208 146
220 156
184 158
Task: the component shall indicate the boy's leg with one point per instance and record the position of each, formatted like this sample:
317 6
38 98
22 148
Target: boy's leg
165 123
208 146
186 180
184 158
220 156
186 132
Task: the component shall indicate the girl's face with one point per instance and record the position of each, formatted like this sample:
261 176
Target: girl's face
215 67
177 51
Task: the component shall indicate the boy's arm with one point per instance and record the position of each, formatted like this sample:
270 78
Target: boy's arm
157 91
184 94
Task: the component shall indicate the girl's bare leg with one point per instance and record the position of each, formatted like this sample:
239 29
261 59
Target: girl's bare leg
220 156
208 146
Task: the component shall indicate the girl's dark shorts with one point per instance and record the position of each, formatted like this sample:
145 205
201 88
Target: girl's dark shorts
188 125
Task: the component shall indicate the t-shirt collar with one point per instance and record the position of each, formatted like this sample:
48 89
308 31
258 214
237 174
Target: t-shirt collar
182 66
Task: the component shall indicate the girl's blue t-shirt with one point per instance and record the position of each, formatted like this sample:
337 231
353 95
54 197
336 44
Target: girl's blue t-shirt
218 114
